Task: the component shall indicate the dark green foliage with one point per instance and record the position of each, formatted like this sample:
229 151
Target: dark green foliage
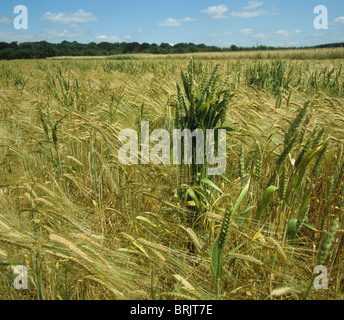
44 49
326 244
201 107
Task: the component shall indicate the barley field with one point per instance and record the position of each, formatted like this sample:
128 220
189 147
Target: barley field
89 227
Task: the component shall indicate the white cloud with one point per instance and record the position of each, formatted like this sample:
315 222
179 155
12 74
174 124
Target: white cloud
227 34
170 22
287 33
5 20
222 34
127 37
231 33
253 4
249 14
338 21
260 36
69 17
217 12
49 34
188 19
16 36
104 38
278 35
245 31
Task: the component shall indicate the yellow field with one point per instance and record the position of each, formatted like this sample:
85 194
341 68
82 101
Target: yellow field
88 227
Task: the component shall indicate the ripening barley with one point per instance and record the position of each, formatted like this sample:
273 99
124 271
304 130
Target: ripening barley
69 205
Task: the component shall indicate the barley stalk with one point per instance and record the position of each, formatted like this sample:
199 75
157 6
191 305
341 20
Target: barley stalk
193 237
153 245
70 245
246 258
279 250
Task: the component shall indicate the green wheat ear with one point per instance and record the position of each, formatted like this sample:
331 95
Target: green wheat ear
307 147
318 163
242 163
302 218
283 185
293 133
327 242
259 162
292 230
225 227
217 254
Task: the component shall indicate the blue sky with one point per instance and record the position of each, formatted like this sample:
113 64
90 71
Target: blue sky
213 22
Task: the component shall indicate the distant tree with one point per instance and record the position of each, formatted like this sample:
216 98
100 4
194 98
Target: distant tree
106 46
43 49
154 48
165 48
132 47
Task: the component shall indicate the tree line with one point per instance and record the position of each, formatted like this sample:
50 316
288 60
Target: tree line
44 49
